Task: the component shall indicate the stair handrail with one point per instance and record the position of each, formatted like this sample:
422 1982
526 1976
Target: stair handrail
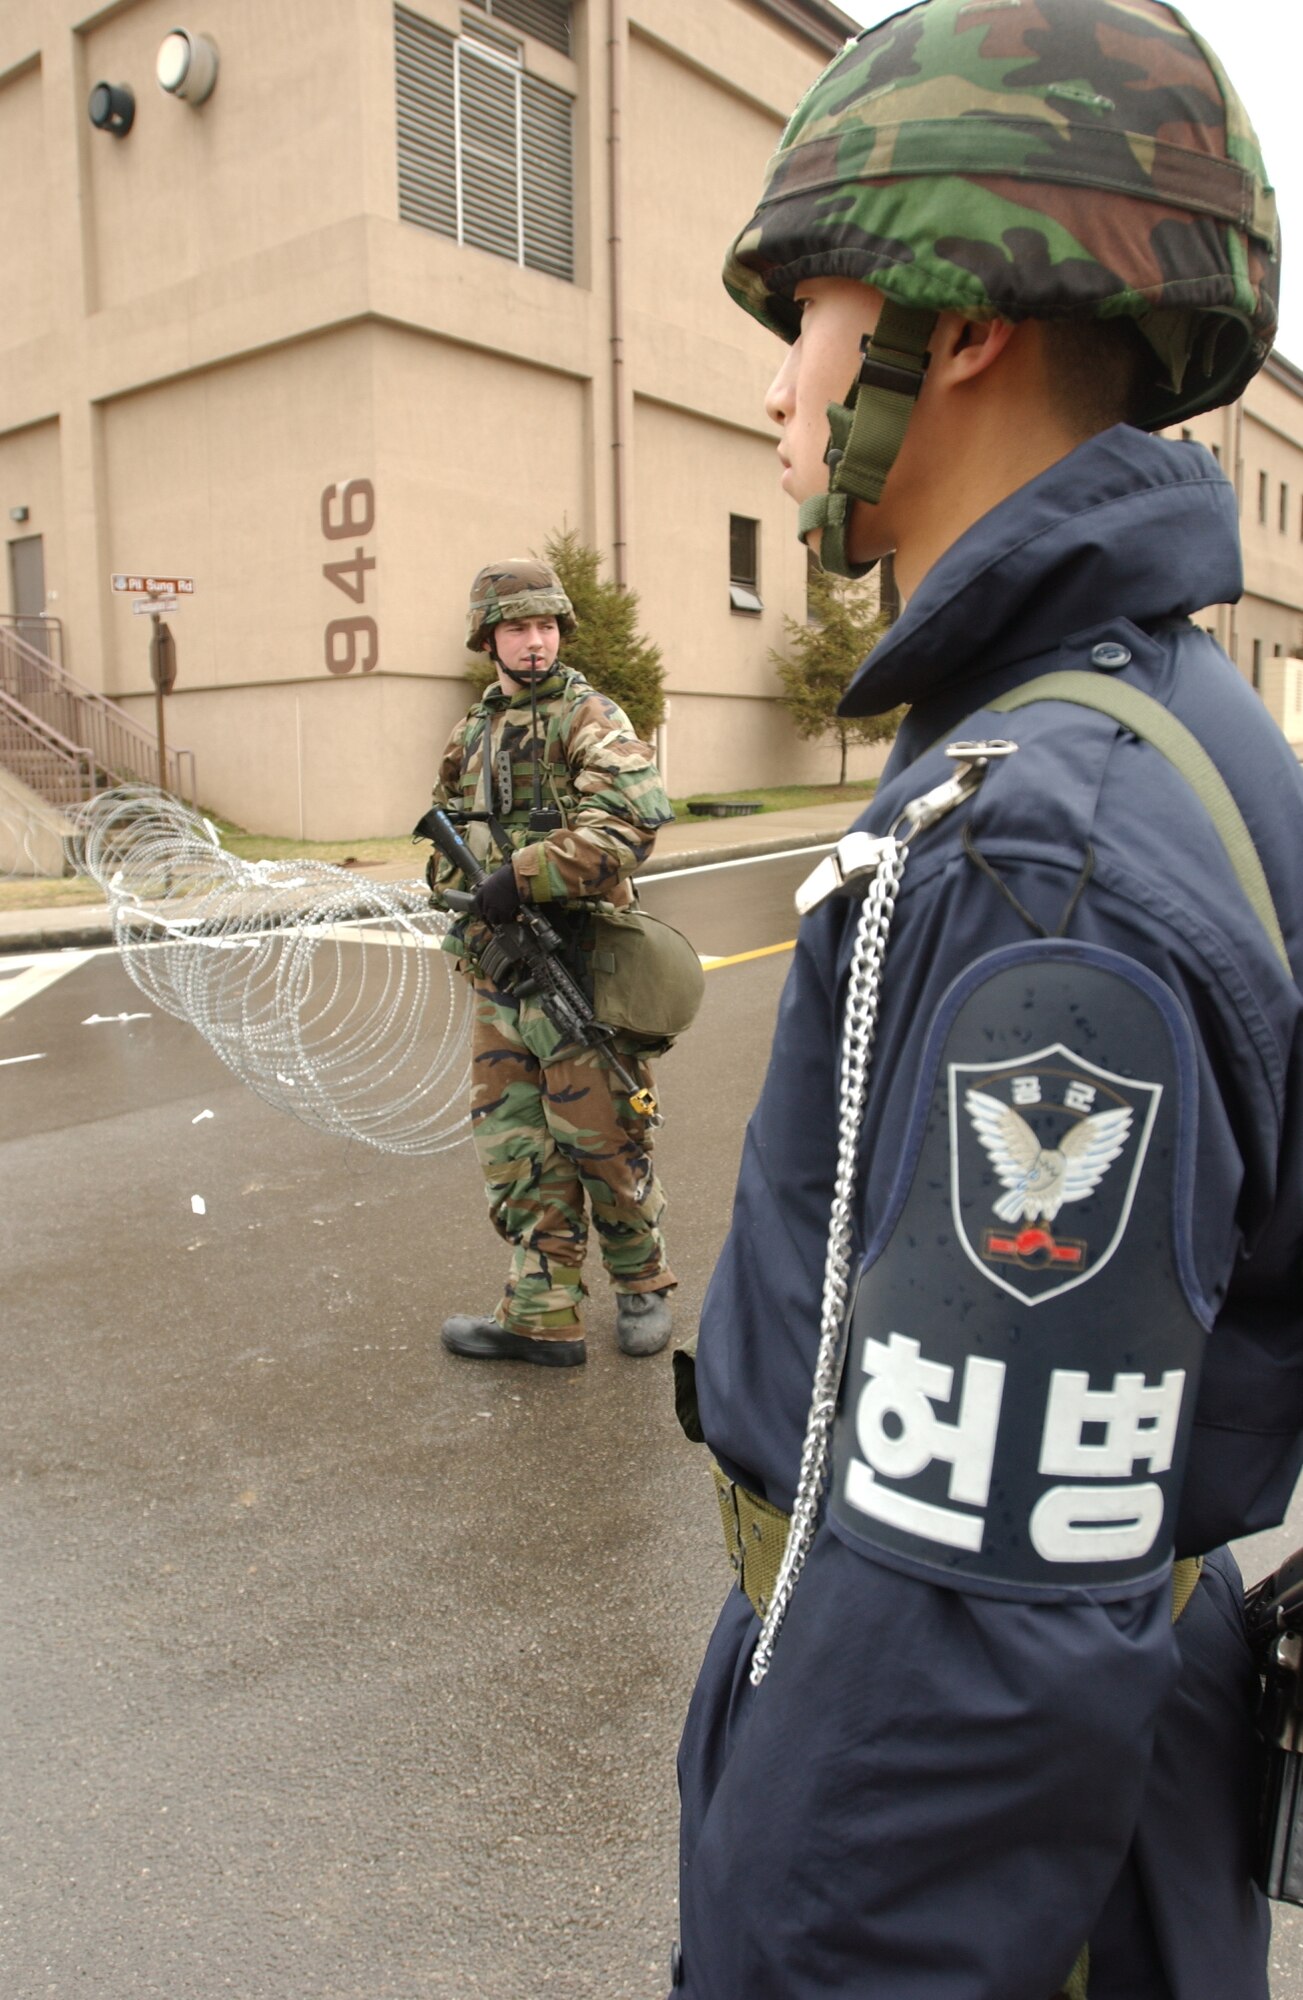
21 622
75 756
20 661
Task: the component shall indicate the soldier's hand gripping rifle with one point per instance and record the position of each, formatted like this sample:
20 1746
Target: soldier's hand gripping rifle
1273 1616
525 956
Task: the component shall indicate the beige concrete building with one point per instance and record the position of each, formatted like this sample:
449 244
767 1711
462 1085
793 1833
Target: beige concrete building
317 307
404 288
1259 442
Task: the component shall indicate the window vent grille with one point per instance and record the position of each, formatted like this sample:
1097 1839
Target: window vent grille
547 20
489 37
485 151
489 147
427 142
549 206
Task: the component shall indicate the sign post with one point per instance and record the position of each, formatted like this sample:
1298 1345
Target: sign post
154 595
162 667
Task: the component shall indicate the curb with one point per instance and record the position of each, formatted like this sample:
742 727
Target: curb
91 936
82 938
743 850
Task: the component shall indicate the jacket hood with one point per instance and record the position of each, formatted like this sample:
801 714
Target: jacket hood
1142 525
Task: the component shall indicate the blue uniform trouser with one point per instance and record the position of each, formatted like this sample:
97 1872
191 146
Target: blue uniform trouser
1184 1921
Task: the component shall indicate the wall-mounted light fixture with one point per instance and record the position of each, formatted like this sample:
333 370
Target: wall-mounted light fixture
186 65
18 513
112 108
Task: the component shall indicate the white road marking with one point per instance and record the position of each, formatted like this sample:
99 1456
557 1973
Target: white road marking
40 973
95 1020
742 861
6 1060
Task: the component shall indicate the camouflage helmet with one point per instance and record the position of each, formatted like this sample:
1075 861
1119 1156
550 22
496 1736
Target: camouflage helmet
1021 159
520 587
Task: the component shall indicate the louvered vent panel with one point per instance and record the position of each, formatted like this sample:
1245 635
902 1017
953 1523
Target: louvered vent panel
549 179
489 200
427 169
481 30
547 20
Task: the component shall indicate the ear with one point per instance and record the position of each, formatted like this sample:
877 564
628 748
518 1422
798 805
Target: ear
964 349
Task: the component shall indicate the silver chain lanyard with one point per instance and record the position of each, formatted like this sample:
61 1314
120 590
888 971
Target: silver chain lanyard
881 862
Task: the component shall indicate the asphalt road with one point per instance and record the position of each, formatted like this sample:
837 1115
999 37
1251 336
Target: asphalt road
332 1665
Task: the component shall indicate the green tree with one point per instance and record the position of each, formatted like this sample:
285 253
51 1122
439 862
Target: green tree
821 658
605 646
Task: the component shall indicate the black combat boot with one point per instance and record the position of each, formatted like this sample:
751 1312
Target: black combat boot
488 1340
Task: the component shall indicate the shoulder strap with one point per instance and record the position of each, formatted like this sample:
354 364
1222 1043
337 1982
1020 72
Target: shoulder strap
1149 720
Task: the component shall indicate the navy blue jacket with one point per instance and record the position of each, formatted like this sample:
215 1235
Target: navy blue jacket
937 1795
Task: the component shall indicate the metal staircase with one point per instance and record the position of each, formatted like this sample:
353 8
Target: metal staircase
61 739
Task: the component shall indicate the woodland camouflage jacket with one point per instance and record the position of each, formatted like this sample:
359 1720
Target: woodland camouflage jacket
594 769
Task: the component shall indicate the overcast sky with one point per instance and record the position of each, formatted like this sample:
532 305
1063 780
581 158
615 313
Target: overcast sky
1259 45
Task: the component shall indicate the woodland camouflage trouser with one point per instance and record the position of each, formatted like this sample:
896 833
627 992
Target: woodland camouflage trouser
551 1126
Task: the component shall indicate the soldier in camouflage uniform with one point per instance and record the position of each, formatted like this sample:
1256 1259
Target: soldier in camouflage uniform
1006 1339
580 800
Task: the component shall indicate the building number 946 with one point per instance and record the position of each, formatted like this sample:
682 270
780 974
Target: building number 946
348 514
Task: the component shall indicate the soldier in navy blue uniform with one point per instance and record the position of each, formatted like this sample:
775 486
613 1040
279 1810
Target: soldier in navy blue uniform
1008 1320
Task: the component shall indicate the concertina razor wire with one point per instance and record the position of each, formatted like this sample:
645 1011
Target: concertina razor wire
324 991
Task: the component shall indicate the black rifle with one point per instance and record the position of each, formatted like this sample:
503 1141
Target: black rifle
1273 1612
525 957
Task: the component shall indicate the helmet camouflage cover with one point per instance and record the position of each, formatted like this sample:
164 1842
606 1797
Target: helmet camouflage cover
1032 159
520 587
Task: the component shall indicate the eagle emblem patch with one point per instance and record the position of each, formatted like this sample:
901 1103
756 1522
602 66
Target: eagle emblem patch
1045 1155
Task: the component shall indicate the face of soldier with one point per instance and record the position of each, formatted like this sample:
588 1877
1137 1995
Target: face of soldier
984 423
818 369
528 646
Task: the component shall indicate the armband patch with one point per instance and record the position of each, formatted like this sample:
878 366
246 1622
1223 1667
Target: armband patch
1026 1331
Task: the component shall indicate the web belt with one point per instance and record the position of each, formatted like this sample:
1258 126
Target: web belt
755 1534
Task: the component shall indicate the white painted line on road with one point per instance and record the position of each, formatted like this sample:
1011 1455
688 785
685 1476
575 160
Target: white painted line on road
742 861
201 1117
95 1020
6 1060
198 1204
41 972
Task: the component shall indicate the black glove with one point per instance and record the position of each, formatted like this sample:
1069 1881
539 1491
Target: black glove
497 898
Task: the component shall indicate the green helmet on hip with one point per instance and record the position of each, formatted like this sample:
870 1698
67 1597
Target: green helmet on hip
519 587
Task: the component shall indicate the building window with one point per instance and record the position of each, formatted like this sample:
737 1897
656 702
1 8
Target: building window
1276 652
744 563
485 153
1263 484
1284 507
1257 663
547 20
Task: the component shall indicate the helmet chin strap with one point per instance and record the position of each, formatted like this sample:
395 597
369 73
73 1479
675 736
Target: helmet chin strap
867 430
521 680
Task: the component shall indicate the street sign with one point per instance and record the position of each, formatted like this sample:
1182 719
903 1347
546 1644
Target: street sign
154 586
151 606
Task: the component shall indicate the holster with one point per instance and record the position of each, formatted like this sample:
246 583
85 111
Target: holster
1274 1617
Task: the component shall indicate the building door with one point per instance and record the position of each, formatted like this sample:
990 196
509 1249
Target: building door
27 589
